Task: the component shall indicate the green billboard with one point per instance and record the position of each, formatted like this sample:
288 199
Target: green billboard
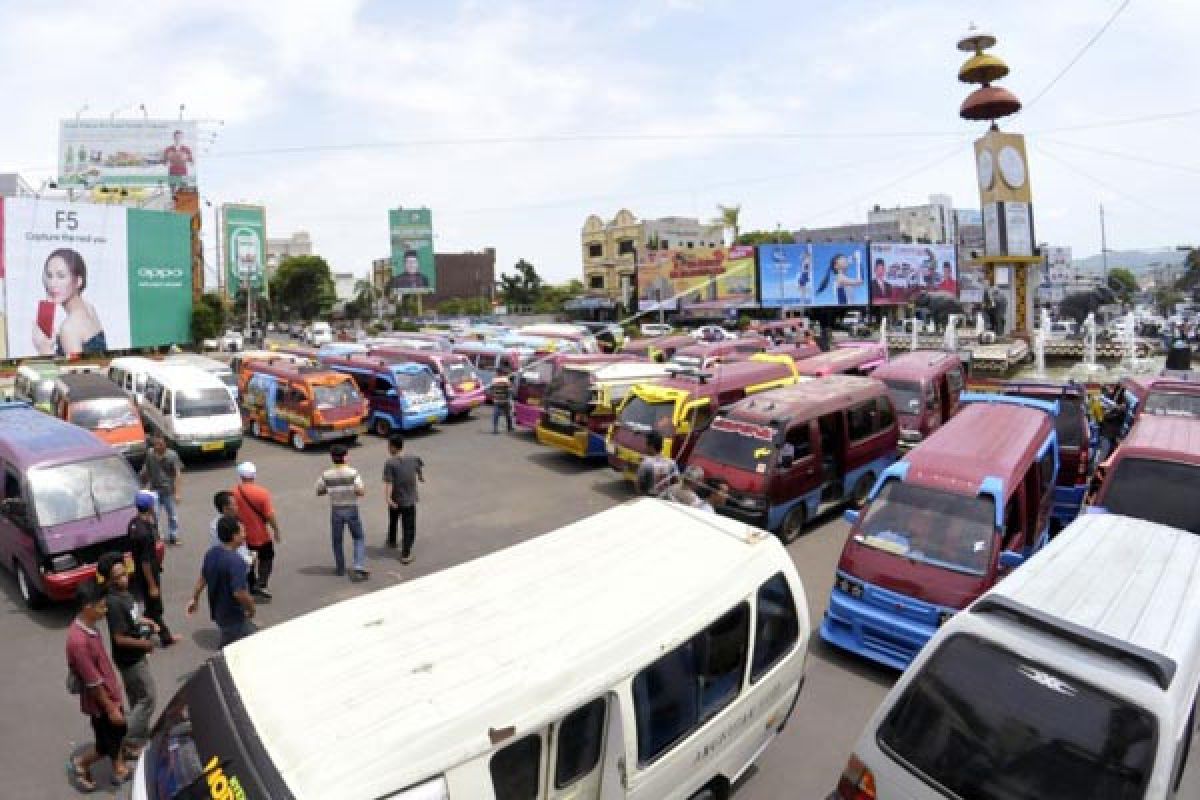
245 241
160 277
411 232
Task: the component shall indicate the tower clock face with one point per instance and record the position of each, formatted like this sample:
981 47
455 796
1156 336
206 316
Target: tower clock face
1012 167
986 172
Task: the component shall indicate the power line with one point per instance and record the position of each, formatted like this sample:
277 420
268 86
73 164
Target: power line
1126 156
1087 46
1118 122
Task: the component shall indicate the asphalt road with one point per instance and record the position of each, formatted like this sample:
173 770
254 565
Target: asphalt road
483 493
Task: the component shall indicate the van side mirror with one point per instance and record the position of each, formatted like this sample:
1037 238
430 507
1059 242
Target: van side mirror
1011 559
851 516
15 509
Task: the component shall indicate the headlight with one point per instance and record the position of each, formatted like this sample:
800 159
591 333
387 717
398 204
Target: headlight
752 502
63 563
910 436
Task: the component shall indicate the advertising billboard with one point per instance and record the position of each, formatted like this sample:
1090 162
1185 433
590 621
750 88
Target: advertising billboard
696 278
824 274
411 232
127 152
900 272
84 278
1058 265
245 243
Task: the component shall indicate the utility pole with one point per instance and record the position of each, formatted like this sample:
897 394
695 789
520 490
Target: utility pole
1103 245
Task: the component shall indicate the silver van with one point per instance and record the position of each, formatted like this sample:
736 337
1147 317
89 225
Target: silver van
193 410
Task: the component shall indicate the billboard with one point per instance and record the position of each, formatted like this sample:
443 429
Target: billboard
245 240
1058 265
824 274
900 272
84 278
411 232
696 278
127 152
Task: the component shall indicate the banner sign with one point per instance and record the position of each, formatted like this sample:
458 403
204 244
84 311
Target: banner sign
901 272
245 238
411 231
127 152
813 275
696 278
85 278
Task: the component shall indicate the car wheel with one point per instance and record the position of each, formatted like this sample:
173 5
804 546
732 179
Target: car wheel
793 523
382 427
862 490
707 793
298 442
30 594
256 429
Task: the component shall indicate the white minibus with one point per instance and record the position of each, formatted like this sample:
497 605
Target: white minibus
193 410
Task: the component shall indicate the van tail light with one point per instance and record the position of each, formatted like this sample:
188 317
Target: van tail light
857 781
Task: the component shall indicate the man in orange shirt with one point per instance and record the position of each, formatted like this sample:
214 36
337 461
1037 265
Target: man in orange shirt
256 512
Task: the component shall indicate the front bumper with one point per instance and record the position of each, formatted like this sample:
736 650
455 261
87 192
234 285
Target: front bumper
320 435
196 447
464 402
582 443
871 632
410 420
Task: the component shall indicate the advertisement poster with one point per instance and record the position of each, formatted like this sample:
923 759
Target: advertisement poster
83 278
655 288
1058 265
735 285
991 229
698 278
245 244
411 233
972 283
1016 229
127 152
827 274
901 272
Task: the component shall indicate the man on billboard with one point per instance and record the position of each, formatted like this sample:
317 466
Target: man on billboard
880 290
177 157
64 278
411 277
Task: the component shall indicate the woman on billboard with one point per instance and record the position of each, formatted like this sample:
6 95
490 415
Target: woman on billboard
65 277
839 273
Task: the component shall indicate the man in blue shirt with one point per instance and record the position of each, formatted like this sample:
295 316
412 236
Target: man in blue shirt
224 575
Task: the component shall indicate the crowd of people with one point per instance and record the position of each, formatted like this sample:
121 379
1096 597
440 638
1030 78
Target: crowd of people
116 692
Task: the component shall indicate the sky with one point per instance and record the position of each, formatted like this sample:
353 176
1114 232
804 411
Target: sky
513 121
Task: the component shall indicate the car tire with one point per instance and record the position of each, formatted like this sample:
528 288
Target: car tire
862 490
298 442
30 594
382 427
793 523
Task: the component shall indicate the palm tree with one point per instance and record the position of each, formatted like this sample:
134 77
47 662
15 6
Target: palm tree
365 297
729 219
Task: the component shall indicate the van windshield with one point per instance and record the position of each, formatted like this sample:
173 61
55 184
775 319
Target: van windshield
336 395
640 416
1067 424
83 490
571 388
1158 491
228 378
104 413
43 391
738 444
459 373
414 382
906 395
935 527
1033 732
203 403
1173 404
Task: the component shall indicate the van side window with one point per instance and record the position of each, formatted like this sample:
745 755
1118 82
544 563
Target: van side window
362 380
799 439
884 406
1046 471
296 396
486 361
12 485
701 417
580 742
776 628
681 690
954 378
383 385
167 397
861 420
154 393
1012 519
516 770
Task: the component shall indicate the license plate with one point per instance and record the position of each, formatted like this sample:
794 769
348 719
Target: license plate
209 447
535 402
432 418
561 417
466 387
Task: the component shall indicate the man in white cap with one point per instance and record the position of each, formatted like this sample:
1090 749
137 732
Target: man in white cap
256 512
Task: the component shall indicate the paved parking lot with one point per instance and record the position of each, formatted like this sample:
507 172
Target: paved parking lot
483 493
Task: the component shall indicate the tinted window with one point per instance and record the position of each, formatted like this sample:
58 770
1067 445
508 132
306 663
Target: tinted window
1158 491
861 421
1069 424
580 741
940 528
906 395
1046 471
1033 733
572 388
685 687
745 447
954 378
104 413
203 403
886 418
515 769
776 628
642 417
1173 405
81 491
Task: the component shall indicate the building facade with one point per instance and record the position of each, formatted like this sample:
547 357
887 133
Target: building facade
298 244
381 274
343 285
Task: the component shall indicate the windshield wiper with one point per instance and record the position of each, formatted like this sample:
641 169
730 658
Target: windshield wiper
92 492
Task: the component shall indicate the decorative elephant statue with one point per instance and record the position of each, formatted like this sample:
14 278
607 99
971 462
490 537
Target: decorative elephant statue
1078 305
939 306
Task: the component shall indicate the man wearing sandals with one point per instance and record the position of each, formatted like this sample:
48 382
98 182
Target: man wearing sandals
100 696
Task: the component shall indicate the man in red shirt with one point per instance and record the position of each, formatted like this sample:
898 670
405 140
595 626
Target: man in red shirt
256 512
100 697
178 156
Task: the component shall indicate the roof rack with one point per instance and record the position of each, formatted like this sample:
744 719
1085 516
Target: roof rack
1159 667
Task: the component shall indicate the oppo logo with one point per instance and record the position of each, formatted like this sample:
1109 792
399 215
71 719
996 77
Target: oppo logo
159 273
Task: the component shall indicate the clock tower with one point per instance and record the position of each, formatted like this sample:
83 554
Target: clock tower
1002 169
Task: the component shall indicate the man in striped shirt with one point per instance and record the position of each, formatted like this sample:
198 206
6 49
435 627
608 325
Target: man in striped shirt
344 486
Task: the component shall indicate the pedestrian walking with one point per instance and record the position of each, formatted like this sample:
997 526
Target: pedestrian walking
145 582
223 574
226 506
256 512
656 472
91 674
131 636
162 472
344 486
501 400
400 476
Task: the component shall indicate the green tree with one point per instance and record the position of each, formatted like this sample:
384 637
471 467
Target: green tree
765 237
366 297
730 219
304 285
524 288
552 298
208 316
1165 299
1123 283
1189 281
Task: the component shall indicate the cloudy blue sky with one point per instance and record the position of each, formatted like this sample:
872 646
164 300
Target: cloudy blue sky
515 120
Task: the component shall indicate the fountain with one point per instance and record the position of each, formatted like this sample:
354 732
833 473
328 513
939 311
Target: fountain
883 342
916 331
979 324
950 340
1088 370
1039 345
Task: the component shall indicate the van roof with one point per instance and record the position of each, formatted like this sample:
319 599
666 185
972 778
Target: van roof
289 370
982 440
197 360
1127 579
363 361
621 370
709 383
811 398
1163 439
173 374
41 370
917 366
836 360
31 437
89 386
426 669
419 356
134 363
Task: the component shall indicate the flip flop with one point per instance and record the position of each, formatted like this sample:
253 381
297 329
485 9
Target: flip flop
78 777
